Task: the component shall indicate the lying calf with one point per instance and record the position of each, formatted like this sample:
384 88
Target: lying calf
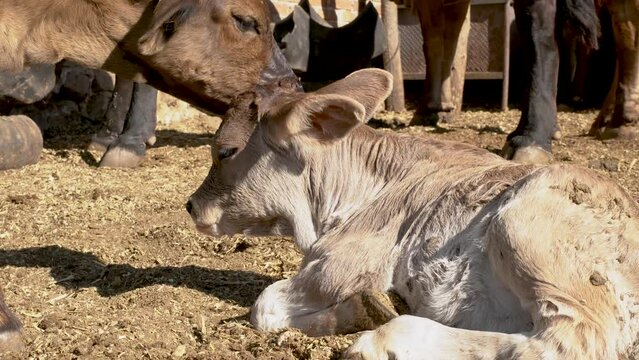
496 260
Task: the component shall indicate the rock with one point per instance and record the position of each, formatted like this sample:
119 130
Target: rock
75 82
102 81
97 105
20 142
29 86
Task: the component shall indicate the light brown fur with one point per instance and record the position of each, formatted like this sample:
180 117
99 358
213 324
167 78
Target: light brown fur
206 61
495 260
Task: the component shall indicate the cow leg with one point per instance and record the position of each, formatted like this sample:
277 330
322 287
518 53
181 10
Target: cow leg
604 117
290 304
10 338
625 115
567 269
115 116
129 149
441 26
334 291
530 142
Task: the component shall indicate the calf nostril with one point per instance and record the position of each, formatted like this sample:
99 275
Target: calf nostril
189 207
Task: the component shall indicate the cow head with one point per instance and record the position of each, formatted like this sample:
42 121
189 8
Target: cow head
258 182
208 51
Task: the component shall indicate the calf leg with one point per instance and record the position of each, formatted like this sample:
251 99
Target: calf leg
287 304
531 140
10 338
334 292
129 149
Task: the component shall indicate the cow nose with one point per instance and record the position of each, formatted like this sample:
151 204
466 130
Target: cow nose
189 207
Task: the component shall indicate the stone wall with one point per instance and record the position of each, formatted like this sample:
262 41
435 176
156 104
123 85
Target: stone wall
336 12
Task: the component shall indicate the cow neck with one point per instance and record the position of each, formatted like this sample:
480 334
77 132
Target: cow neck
351 174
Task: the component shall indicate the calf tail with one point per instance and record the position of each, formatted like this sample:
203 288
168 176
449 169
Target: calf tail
582 17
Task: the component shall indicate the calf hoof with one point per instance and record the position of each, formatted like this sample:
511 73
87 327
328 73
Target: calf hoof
119 157
424 119
527 155
11 341
621 133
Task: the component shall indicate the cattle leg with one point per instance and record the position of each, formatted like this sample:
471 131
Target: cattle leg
129 149
10 338
531 140
441 23
292 304
115 116
625 115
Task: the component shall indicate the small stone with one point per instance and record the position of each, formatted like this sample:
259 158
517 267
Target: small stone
179 352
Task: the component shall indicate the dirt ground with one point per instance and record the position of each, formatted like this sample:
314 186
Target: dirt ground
105 263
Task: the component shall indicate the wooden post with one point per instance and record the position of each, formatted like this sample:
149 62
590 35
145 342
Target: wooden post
458 71
392 56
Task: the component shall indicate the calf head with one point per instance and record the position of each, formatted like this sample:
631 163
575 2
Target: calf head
258 183
208 51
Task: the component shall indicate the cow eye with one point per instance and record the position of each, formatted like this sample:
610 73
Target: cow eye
168 28
224 153
246 24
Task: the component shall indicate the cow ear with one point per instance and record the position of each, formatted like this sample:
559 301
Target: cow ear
168 16
313 120
369 87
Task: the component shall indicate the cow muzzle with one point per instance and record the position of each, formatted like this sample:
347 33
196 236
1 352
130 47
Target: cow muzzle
278 74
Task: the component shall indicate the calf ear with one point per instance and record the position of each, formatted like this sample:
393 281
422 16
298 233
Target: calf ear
168 16
314 120
369 87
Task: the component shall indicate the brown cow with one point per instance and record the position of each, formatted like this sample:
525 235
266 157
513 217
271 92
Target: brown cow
203 51
495 260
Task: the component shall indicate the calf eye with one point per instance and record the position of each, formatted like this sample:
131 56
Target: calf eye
224 153
246 24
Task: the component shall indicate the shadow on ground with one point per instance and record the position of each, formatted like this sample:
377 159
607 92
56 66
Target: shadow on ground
75 270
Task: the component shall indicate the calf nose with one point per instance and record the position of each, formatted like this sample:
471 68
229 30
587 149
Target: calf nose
189 207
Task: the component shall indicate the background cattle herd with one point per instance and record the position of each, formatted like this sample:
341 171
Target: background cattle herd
497 252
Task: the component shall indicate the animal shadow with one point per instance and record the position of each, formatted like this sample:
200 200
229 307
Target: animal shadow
76 270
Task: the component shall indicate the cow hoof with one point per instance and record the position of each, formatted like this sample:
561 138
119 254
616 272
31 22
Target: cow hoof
424 119
151 141
528 155
379 307
118 157
101 143
11 341
621 133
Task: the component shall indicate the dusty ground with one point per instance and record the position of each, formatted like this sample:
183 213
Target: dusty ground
104 263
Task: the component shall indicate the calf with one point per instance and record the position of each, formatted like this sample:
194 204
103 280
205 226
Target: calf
202 51
495 260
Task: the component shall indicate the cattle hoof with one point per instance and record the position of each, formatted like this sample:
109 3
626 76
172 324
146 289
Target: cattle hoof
379 307
11 341
151 141
118 157
528 155
424 119
621 133
101 142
